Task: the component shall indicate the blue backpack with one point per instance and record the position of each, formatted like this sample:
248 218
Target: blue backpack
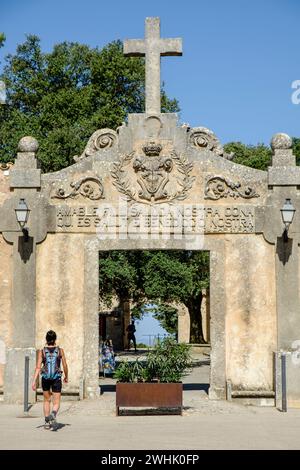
51 361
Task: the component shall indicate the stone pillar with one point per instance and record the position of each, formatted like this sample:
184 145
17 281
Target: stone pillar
283 181
217 389
25 181
91 387
205 315
184 324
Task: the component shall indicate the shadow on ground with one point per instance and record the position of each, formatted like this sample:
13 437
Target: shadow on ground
107 388
55 427
149 412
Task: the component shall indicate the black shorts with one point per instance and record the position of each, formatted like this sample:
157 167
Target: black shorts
55 385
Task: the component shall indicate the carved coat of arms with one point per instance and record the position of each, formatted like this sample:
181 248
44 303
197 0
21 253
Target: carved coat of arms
153 178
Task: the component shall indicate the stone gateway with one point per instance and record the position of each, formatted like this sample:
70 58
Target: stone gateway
152 184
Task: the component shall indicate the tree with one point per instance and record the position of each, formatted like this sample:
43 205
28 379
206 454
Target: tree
2 85
256 156
119 276
2 39
177 276
155 279
63 96
296 149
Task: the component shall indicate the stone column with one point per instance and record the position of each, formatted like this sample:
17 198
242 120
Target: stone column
91 387
25 181
217 389
183 323
283 182
205 315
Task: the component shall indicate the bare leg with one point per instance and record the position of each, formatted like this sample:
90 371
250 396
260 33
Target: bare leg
56 402
47 402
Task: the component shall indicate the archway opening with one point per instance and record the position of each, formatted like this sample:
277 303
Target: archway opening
166 292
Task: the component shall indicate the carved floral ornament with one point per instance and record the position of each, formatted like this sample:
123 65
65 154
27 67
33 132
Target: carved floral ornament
89 187
204 139
153 178
218 187
100 140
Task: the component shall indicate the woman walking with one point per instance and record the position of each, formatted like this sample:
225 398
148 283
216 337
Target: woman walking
48 365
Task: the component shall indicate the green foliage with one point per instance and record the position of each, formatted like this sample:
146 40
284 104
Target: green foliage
175 276
129 371
255 156
167 315
157 278
63 96
141 346
167 362
2 39
119 275
296 149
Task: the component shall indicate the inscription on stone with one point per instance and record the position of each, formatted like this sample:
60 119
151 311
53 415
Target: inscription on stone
73 218
186 219
229 219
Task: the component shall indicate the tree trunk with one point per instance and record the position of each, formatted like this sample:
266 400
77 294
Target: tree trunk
196 331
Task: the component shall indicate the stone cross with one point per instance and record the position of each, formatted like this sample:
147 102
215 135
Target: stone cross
152 47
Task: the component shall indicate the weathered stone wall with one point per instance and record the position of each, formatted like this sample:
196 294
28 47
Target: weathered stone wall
224 208
114 323
5 282
251 312
5 300
60 274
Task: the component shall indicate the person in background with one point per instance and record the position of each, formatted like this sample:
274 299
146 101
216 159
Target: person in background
107 357
130 335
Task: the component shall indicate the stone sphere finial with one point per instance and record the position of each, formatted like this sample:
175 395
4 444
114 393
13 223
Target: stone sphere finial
28 144
281 141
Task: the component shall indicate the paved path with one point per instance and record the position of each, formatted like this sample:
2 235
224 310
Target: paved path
205 424
85 426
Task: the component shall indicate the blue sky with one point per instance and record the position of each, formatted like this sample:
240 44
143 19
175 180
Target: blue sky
148 326
240 57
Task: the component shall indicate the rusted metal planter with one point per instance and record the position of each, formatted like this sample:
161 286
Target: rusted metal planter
151 395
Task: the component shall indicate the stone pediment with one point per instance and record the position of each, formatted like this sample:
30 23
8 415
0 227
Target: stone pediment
152 163
152 160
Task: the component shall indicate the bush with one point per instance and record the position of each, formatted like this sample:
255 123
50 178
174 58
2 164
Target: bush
167 362
142 346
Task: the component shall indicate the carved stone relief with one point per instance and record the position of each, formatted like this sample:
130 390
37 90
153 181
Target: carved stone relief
218 187
100 140
89 187
5 166
203 138
152 177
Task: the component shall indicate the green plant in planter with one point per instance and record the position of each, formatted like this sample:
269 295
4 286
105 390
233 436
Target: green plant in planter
130 372
167 362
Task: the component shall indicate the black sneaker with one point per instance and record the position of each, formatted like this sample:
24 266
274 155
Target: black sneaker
52 420
47 422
